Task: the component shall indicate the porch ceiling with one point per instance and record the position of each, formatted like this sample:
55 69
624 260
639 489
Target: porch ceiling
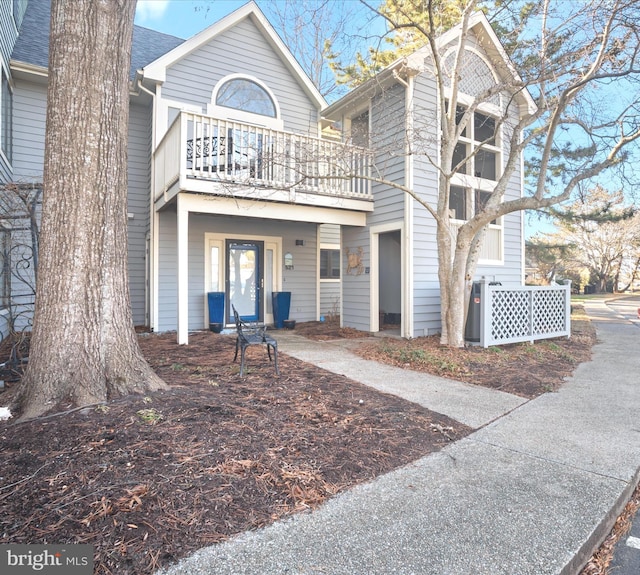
271 210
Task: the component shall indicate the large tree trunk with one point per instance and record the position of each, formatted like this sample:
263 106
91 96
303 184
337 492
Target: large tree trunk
83 347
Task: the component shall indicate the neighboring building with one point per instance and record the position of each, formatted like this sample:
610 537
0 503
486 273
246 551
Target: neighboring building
223 126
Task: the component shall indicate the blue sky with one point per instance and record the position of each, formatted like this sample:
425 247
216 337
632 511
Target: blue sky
183 18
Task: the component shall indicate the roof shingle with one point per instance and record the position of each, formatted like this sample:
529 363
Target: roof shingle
32 45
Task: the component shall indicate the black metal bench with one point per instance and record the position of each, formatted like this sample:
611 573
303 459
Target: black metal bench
250 333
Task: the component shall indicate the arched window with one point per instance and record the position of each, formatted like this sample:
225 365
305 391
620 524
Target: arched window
246 95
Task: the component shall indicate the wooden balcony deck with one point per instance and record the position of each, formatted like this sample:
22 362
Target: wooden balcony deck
207 155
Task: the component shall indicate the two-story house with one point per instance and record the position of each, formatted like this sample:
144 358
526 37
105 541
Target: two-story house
233 188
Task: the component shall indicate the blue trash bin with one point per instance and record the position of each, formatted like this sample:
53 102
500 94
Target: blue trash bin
281 303
216 310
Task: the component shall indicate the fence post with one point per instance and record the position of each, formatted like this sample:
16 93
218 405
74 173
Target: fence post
532 311
567 311
485 312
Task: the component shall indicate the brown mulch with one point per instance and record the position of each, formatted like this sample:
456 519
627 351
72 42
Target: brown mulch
326 331
600 561
523 369
148 480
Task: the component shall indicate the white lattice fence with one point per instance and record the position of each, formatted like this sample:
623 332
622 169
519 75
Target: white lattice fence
524 313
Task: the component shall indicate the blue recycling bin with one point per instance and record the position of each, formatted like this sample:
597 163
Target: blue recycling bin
281 303
216 310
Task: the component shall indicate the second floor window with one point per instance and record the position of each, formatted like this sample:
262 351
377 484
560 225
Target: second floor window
246 95
476 153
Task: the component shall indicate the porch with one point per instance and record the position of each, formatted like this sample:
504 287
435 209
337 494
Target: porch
206 244
204 154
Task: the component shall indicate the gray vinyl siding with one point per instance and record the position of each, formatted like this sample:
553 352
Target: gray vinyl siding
167 287
356 289
139 174
425 284
29 134
387 134
329 234
29 121
8 35
329 298
388 139
8 32
240 50
301 281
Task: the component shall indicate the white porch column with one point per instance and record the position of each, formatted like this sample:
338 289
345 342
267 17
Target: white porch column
183 269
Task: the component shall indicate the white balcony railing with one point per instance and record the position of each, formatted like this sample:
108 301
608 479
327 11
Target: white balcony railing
198 147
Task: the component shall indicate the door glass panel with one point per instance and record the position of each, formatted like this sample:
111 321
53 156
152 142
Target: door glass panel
215 268
268 279
243 277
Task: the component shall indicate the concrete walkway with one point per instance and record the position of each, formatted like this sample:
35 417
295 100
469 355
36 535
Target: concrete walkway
529 493
472 405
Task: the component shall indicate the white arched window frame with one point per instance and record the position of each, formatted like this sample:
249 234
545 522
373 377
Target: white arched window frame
229 113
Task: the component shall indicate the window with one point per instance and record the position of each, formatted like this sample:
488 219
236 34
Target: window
459 156
476 163
329 264
458 203
6 117
478 144
481 200
246 95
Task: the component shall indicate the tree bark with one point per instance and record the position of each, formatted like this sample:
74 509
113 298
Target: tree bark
83 347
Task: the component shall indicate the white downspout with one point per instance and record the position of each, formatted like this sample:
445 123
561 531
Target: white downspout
153 219
407 240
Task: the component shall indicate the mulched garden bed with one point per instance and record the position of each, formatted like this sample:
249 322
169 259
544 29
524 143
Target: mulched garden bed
523 369
149 479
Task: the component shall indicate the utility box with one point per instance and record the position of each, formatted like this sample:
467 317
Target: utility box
474 314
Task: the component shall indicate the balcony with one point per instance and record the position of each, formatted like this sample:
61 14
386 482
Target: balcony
206 155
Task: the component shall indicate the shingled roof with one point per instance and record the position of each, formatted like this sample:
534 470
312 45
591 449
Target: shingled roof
32 45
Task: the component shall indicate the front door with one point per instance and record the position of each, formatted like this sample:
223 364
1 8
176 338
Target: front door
244 279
